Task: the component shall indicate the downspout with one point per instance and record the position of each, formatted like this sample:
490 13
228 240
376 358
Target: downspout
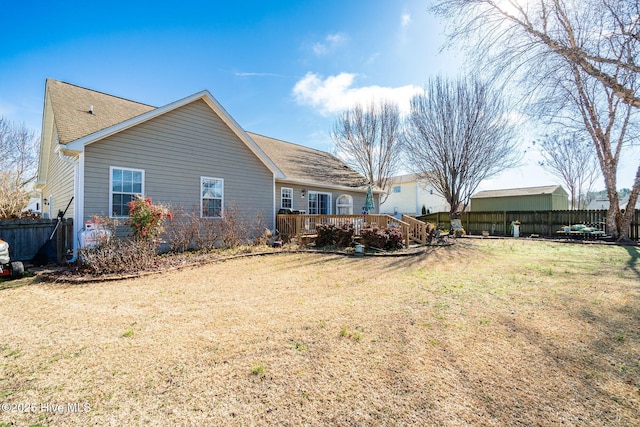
274 217
74 161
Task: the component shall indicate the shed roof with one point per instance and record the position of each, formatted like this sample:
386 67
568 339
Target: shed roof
511 192
300 163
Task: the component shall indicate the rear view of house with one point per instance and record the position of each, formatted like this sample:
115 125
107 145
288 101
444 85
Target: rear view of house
102 150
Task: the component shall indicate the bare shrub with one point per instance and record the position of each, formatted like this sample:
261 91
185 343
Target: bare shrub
109 255
258 230
118 256
190 232
182 231
207 233
238 227
264 239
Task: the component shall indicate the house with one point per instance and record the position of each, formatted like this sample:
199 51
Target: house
314 181
547 198
102 150
602 202
408 194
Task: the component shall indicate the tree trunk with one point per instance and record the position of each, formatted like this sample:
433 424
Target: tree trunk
613 214
627 216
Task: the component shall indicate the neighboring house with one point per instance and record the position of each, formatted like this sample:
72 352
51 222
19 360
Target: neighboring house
408 194
547 198
102 150
35 204
603 203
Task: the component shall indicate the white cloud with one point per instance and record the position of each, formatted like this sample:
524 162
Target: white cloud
335 93
330 43
405 19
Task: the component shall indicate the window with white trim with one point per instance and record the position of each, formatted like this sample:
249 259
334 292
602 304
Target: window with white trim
124 185
344 205
397 189
211 197
286 198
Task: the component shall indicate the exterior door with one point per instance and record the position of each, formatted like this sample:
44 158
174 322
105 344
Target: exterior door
319 203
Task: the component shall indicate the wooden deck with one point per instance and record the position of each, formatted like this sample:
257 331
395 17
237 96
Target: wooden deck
413 230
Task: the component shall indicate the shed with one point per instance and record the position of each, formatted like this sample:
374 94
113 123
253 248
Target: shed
547 198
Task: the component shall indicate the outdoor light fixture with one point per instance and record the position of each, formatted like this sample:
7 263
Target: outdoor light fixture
303 193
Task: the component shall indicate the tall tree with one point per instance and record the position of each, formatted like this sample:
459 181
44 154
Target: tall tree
18 163
368 138
578 56
600 37
571 158
459 134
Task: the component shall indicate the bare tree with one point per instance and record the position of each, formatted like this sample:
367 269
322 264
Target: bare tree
459 134
600 37
368 139
575 59
571 158
18 162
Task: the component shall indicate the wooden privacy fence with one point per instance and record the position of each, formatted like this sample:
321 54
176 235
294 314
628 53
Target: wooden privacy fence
25 237
298 225
543 223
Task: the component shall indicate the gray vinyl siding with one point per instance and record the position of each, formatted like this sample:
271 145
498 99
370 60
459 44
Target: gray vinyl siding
175 150
302 204
59 186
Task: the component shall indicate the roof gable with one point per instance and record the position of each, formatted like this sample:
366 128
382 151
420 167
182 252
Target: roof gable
528 191
304 164
78 126
79 112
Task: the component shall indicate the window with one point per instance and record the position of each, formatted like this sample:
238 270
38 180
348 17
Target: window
286 198
211 197
319 203
125 185
344 205
397 189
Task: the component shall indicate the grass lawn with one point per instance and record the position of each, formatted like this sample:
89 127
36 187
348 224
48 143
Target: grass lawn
482 333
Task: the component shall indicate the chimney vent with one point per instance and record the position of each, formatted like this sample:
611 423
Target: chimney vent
90 109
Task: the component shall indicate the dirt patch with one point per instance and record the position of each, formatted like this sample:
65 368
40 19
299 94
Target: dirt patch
483 333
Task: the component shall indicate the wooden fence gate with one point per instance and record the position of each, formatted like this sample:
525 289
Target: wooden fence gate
25 237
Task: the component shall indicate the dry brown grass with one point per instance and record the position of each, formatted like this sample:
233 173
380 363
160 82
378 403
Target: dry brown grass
483 333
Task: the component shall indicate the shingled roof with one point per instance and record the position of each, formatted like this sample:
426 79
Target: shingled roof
511 192
299 163
71 105
80 112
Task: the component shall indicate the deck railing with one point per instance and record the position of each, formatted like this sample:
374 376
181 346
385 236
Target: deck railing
418 230
299 225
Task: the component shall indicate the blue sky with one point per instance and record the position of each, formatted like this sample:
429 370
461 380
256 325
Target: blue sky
280 68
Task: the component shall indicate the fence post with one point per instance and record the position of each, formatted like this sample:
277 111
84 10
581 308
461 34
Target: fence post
504 222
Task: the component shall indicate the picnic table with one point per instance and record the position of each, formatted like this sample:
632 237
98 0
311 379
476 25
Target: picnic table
581 232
